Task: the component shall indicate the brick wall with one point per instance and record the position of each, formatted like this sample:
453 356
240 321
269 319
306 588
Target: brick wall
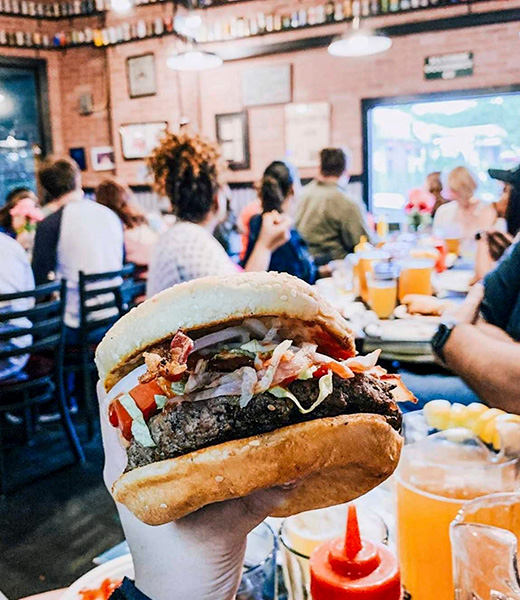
316 77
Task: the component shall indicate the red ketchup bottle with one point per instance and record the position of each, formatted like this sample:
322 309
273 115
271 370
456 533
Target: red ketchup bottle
354 568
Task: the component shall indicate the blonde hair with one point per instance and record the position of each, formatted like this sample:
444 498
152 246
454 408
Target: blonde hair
462 182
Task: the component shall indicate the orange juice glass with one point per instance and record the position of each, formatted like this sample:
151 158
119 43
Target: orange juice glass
416 277
453 245
365 265
434 481
382 293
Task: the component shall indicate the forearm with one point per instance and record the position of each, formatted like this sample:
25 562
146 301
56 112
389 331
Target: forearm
490 366
260 258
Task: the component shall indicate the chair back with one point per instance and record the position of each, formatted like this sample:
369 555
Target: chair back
104 298
31 322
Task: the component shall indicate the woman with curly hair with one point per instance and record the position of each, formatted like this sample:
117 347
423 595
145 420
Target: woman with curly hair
186 168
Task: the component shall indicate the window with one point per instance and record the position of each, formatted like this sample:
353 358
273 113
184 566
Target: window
407 139
21 132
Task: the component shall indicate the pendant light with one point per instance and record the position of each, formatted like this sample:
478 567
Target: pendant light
359 42
193 59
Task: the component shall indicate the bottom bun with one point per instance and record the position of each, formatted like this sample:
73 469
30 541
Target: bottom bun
335 459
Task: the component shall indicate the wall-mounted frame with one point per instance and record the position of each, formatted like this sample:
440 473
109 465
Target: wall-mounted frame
80 156
233 138
140 72
139 139
102 158
267 85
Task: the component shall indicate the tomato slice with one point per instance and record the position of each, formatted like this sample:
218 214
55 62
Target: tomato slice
321 371
124 420
287 381
144 396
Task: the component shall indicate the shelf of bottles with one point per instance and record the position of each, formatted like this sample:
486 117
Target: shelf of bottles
61 10
236 27
90 36
219 30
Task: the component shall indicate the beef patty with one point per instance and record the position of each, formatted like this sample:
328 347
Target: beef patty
187 426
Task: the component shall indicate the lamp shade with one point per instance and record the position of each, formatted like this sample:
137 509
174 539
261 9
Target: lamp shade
359 43
194 60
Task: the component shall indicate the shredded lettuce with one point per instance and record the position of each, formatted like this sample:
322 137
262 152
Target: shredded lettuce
325 387
139 428
257 347
177 387
160 401
307 373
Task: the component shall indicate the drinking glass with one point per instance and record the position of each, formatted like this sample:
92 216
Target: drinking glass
416 277
382 295
484 539
435 478
259 577
301 534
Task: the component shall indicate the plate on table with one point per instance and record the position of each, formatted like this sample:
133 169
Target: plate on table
114 570
455 280
401 312
403 337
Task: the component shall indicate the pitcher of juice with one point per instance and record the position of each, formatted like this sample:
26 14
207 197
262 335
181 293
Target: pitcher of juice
436 477
484 540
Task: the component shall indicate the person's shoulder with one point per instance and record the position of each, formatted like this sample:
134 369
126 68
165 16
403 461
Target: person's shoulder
12 249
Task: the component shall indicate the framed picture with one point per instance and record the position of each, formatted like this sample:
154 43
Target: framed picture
233 137
103 158
307 131
267 85
141 75
78 154
139 139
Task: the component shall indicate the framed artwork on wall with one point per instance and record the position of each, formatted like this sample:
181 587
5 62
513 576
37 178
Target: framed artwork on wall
139 139
140 72
78 154
103 158
233 138
267 85
307 131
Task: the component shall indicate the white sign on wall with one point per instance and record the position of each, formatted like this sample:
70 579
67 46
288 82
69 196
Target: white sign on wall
307 131
266 85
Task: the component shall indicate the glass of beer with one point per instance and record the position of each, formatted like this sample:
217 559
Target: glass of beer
366 262
436 477
415 277
382 289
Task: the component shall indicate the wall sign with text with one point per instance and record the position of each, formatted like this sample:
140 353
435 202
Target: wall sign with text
449 66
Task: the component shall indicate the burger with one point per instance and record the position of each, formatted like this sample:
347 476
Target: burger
245 382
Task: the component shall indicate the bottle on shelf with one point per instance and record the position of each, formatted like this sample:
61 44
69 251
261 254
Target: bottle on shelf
329 11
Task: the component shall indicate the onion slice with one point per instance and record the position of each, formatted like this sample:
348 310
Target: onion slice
224 335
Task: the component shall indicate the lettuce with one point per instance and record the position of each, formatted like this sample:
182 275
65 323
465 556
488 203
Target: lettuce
177 387
307 373
160 401
139 428
257 347
325 387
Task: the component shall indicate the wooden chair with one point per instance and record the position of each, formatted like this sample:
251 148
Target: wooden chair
104 298
41 380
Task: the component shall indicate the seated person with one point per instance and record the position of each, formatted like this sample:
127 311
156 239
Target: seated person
81 235
15 276
329 221
277 194
186 169
494 242
465 215
480 341
139 236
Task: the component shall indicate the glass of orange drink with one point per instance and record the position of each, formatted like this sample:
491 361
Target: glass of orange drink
436 477
366 261
382 289
415 277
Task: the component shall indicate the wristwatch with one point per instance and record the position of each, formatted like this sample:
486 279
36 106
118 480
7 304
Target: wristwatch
442 335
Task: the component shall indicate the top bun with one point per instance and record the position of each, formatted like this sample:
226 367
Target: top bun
211 301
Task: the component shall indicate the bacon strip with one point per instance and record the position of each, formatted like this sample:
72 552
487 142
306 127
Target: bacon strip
172 364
